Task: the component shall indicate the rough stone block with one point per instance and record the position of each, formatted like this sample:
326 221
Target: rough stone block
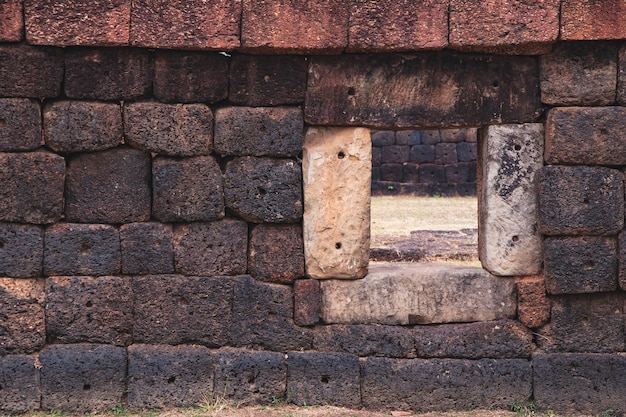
579 383
263 317
286 27
349 90
89 309
422 154
502 339
622 260
185 24
11 21
212 248
324 378
169 129
174 309
276 253
32 187
445 153
514 27
383 138
257 80
81 249
408 293
580 74
376 157
586 136
111 186
466 151
430 137
444 384
584 264
187 189
533 306
621 75
147 248
108 74
26 71
409 137
82 377
77 23
586 20
395 154
432 174
406 25
589 323
392 172
190 77
257 131
161 376
23 326
580 200
410 173
306 302
461 172
458 135
21 250
264 189
20 123
365 340
336 166
77 126
21 389
250 377
509 243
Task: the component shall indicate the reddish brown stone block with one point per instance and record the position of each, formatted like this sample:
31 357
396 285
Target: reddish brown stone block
77 22
512 26
23 325
593 19
21 385
390 25
26 71
147 248
276 253
186 24
365 340
20 124
11 21
21 250
317 26
533 306
306 302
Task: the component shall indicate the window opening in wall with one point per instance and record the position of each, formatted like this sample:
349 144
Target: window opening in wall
424 206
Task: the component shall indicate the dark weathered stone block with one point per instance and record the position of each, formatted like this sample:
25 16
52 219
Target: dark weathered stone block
12 13
621 75
187 189
324 378
276 253
348 90
307 302
432 174
250 377
257 80
26 71
383 138
21 250
466 151
461 172
579 73
82 377
190 77
422 154
20 382
584 264
458 135
20 124
32 187
273 131
108 74
78 126
174 309
395 154
579 383
409 137
445 153
444 384
89 309
391 172
161 376
111 186
263 317
376 157
586 136
213 248
23 325
169 129
580 200
146 248
264 189
431 137
81 249
491 339
410 173
589 323
366 340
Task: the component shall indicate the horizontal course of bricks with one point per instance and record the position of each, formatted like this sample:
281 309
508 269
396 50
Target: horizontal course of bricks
151 220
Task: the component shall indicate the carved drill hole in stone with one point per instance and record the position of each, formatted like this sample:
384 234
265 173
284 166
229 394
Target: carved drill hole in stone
589 264
496 84
602 131
518 147
585 200
2 123
338 245
85 247
89 304
325 379
1 244
351 91
262 191
515 238
86 387
341 155
171 380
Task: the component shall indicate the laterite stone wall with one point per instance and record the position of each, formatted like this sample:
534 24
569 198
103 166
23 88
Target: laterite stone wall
152 251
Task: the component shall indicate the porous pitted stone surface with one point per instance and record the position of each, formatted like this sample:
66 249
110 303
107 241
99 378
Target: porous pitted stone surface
23 325
11 20
21 385
20 124
21 250
276 253
147 248
31 72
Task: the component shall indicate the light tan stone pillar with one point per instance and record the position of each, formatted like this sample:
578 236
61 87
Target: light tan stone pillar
337 169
